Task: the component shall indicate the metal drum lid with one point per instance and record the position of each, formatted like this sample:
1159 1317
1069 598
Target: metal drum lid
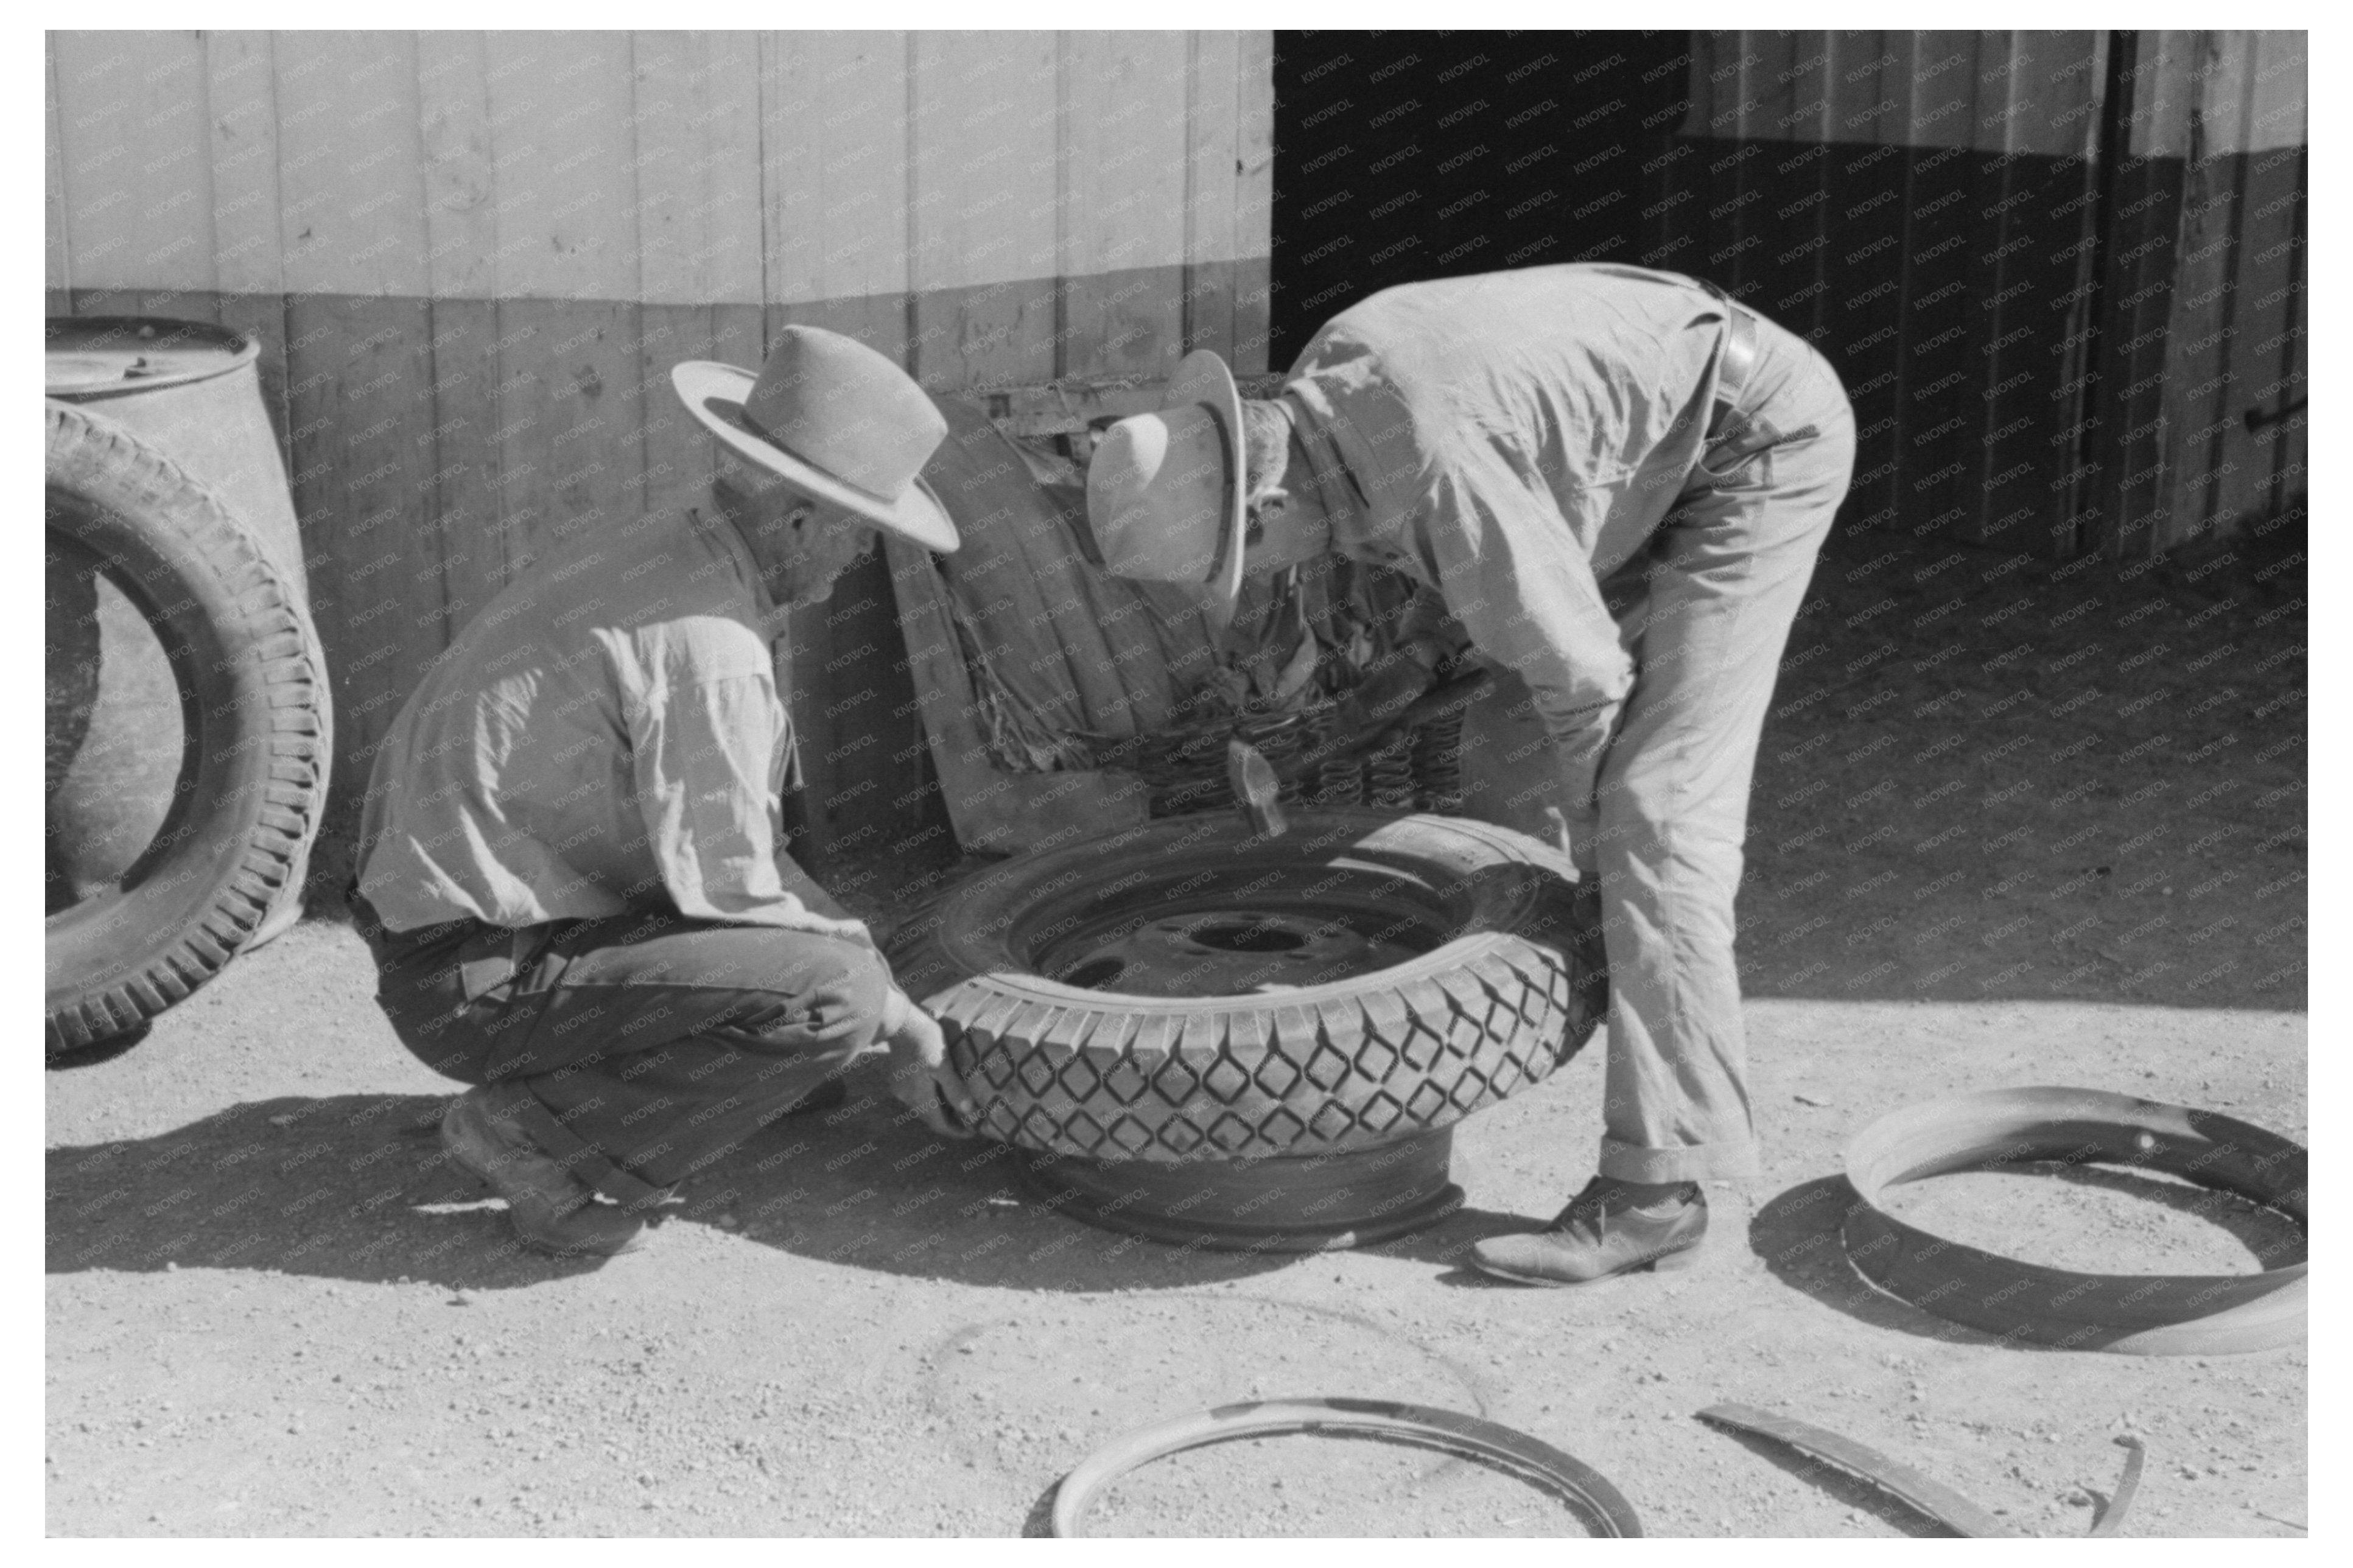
110 356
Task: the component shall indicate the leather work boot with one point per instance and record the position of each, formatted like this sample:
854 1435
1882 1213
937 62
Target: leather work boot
553 1210
1608 1229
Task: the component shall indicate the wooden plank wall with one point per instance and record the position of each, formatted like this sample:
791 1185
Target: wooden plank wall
1913 202
1930 208
472 258
2206 282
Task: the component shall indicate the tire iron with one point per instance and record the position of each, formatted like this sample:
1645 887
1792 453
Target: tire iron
1255 788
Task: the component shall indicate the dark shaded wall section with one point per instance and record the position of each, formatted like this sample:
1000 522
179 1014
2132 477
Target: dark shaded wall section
1409 155
2061 272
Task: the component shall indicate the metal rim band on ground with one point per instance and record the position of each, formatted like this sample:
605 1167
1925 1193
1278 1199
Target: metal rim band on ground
1921 1493
1324 1203
2136 1314
1603 1507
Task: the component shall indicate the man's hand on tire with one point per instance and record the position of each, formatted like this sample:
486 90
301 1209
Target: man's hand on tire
1371 710
1388 690
920 1074
1575 842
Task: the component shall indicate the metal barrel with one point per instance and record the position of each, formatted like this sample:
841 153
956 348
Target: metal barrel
191 391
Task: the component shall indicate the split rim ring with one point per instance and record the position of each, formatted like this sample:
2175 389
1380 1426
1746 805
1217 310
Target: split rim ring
1603 1507
2133 1314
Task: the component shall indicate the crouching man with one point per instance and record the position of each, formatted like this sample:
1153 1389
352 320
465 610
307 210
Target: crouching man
1510 441
572 874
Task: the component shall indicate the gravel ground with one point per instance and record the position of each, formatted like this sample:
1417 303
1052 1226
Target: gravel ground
2001 835
272 1311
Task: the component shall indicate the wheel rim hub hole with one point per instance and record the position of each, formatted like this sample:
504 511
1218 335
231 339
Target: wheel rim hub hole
1230 936
1223 952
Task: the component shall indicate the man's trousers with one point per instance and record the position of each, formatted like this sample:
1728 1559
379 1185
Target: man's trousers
1706 611
1724 575
636 1049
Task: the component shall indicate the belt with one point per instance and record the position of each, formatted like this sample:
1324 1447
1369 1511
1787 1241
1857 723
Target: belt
1739 358
1735 433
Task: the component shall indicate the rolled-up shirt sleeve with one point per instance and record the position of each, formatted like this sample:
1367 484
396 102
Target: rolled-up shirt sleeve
704 750
1512 574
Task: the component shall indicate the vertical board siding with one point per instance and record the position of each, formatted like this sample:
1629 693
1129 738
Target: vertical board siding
1126 157
248 255
983 207
58 256
2203 375
2258 459
479 548
836 132
351 222
132 147
1863 259
2038 284
2201 391
1926 206
471 259
699 251
565 275
1242 247
1212 199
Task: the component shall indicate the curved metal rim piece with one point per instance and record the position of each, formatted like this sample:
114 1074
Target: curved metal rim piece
2137 1314
1923 1494
1585 1491
238 349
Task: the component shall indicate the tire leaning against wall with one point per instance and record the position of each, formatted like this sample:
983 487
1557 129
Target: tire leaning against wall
254 708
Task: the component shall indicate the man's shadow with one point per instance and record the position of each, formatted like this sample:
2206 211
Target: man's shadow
357 1187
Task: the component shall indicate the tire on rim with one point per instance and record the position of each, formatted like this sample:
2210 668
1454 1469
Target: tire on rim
1183 992
255 732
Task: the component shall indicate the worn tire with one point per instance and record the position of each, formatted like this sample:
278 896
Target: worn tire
1513 990
254 705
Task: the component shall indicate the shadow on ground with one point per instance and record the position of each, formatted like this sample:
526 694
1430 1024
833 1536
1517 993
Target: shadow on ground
356 1187
1987 777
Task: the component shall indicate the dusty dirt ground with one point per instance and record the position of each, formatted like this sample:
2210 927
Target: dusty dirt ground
273 1310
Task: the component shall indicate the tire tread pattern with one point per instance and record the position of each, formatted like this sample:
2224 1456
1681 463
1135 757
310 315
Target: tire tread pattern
288 730
1249 1077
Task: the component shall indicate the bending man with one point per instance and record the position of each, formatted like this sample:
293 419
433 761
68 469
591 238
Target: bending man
1511 440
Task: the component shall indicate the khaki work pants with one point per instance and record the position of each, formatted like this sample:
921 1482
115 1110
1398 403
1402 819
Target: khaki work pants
637 1049
1705 610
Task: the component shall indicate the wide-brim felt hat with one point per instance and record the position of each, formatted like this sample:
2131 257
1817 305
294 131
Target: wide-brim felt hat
1165 488
835 420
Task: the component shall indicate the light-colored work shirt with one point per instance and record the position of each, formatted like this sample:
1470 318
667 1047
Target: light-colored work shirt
604 738
1509 439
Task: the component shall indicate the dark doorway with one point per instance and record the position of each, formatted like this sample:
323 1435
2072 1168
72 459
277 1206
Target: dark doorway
1406 155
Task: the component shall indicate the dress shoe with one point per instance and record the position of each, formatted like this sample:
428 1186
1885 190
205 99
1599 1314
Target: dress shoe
553 1210
1612 1227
